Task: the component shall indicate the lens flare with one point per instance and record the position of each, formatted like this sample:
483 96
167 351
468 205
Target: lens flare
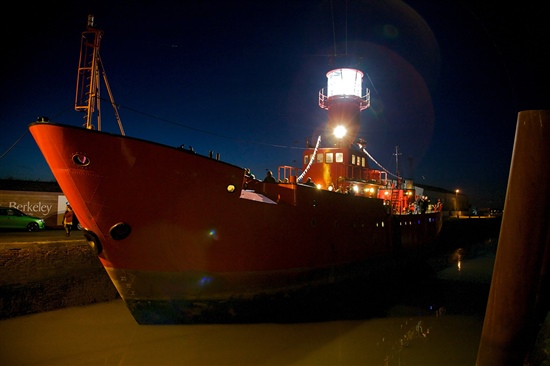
213 234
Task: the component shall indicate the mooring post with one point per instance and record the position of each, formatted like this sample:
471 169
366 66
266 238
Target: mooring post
518 299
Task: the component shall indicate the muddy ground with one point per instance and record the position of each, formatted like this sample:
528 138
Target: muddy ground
36 278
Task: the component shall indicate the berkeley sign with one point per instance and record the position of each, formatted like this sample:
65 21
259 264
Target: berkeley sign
39 207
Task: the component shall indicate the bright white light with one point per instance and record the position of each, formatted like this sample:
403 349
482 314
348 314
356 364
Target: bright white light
344 82
340 131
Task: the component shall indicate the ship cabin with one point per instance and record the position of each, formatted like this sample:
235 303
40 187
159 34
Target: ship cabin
342 170
346 170
343 167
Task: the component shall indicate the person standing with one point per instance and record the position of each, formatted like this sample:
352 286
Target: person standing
68 220
269 177
309 182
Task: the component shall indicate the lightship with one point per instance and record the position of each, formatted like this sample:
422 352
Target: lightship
222 235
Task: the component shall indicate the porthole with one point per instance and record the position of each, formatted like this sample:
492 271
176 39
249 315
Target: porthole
81 160
231 188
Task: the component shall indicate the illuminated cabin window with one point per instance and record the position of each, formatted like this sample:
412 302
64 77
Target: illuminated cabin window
306 159
329 158
320 158
363 162
339 157
353 159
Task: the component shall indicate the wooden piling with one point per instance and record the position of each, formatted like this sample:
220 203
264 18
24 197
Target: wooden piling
518 299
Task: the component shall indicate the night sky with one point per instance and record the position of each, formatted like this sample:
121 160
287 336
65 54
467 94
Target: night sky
241 78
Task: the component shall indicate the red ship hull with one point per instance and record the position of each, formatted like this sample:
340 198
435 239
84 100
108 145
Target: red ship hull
175 229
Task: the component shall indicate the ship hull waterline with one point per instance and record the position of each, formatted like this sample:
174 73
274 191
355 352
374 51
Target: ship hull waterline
176 230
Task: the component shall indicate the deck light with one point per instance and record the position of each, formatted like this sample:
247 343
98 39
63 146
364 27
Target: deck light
340 131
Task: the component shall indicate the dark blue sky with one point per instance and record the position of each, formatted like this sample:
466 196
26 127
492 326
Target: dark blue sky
447 80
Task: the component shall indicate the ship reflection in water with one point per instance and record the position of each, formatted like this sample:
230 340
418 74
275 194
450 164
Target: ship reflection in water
436 323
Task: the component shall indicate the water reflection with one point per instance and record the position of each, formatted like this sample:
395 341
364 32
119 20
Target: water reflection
106 334
457 257
420 323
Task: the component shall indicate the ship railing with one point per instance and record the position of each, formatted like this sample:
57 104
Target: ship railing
383 177
324 100
288 174
364 173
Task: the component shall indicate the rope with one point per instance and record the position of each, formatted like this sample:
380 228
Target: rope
12 146
311 160
333 27
377 163
121 106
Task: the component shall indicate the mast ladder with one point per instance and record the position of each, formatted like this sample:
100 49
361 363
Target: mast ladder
87 98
